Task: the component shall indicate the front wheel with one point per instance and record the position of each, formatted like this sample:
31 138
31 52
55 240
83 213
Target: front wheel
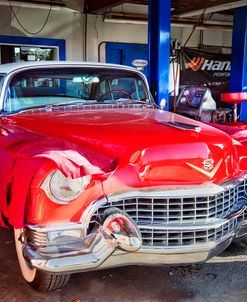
37 279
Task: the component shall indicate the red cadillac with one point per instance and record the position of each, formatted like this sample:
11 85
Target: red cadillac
93 175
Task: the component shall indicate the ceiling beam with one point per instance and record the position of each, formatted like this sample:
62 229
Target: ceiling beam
38 2
35 4
101 6
213 9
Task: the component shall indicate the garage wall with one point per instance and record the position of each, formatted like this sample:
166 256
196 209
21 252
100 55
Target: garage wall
70 26
206 37
62 24
99 31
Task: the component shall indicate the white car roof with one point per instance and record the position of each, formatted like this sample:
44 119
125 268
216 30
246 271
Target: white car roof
10 67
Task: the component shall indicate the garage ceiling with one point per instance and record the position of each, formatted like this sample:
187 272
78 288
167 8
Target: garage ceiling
180 8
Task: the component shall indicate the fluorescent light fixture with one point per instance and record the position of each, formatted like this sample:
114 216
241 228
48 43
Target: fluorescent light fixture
126 18
205 25
202 27
125 21
142 19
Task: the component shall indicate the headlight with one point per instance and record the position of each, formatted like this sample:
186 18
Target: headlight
61 189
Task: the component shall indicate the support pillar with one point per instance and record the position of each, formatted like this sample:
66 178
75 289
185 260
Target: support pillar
238 79
159 21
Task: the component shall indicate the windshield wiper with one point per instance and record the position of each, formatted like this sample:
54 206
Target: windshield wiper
125 100
79 102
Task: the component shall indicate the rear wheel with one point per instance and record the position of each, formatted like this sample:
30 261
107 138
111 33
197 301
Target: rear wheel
37 279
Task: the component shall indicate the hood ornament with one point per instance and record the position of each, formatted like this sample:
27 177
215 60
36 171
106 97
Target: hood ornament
208 164
208 167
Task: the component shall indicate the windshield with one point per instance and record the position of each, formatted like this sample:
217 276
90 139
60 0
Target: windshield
54 86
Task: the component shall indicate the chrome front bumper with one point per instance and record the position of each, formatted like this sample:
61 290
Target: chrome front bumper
100 250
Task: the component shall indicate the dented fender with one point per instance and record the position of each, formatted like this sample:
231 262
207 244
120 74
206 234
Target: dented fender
23 153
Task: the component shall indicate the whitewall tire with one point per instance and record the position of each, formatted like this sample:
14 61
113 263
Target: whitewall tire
37 279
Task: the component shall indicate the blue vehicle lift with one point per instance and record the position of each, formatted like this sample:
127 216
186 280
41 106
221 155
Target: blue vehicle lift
238 80
159 12
159 51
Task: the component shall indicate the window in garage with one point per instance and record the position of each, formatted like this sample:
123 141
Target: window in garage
10 53
16 49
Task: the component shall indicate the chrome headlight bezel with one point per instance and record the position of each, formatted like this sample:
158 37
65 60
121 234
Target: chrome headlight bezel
76 185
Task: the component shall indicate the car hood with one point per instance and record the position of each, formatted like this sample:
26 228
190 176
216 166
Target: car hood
147 140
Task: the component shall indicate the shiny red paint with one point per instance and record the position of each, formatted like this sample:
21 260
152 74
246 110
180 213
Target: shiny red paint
145 152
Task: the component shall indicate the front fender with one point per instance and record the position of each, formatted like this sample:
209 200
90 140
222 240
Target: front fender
24 155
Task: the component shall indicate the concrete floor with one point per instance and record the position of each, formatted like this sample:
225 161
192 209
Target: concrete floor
209 282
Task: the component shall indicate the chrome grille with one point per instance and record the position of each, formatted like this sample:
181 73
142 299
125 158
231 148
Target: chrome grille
153 215
163 237
179 209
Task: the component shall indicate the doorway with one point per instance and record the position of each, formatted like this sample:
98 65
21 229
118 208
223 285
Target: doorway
126 53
